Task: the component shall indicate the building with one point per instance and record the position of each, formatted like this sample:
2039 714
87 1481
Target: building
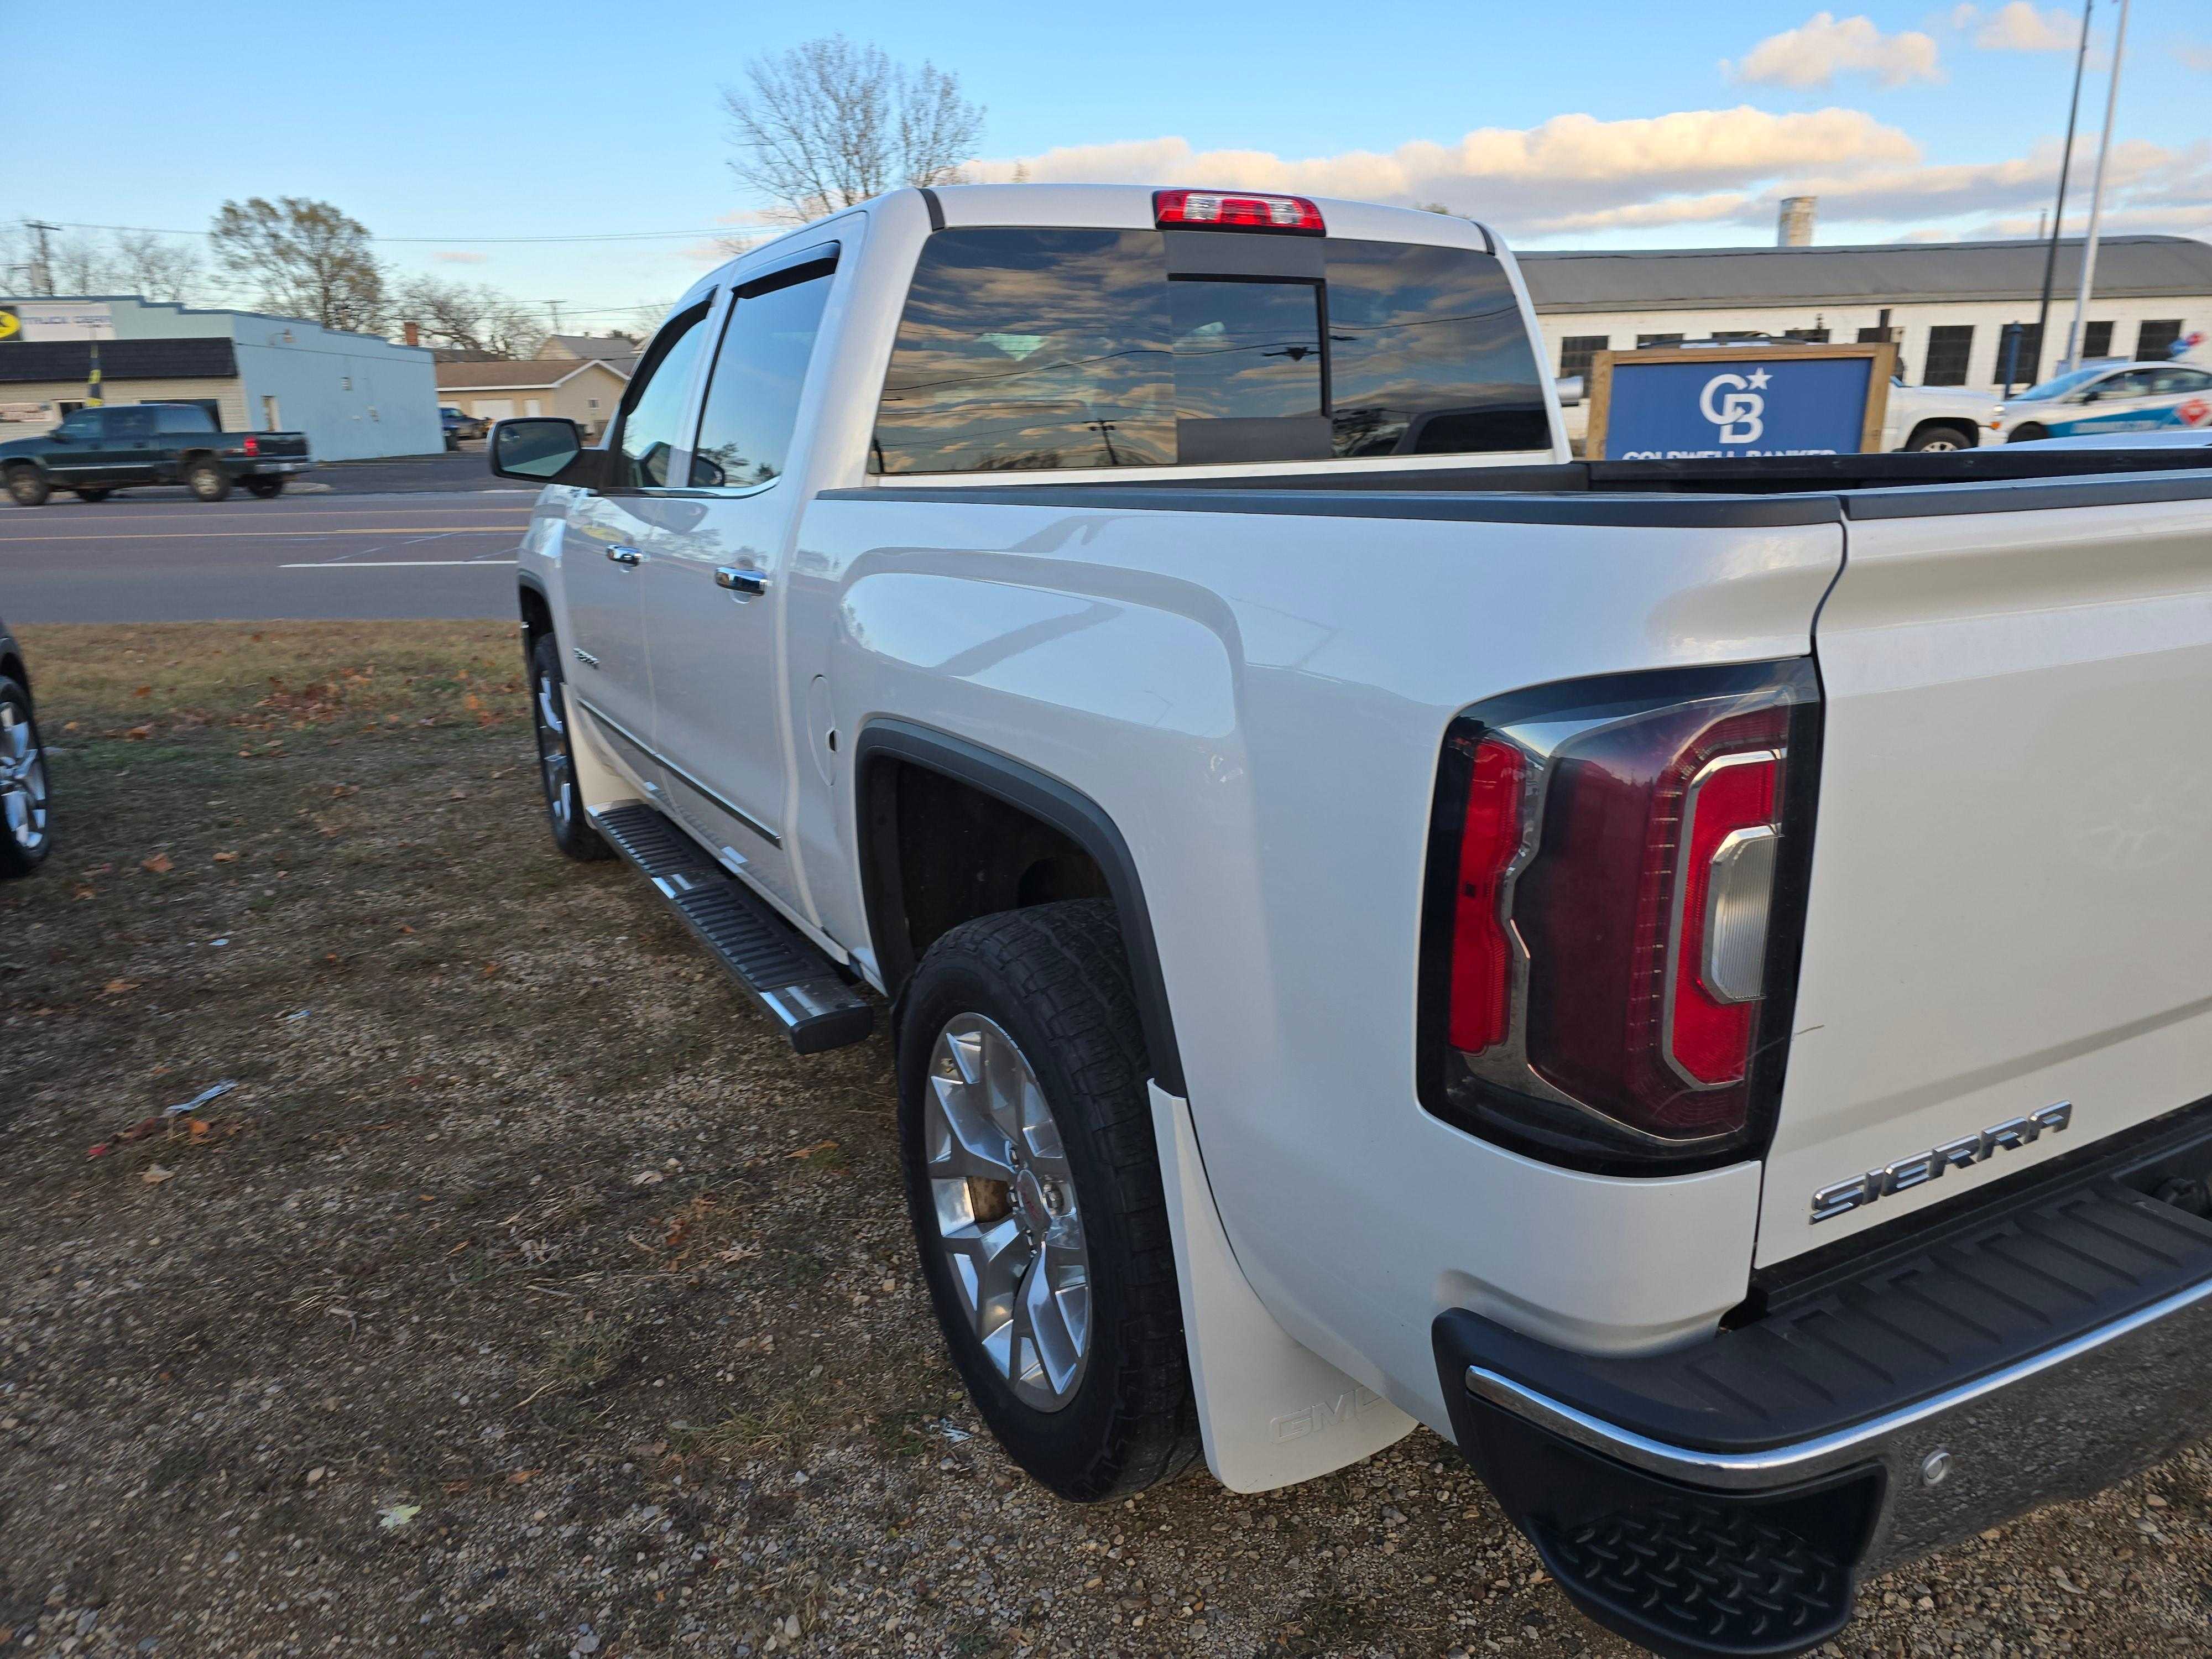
356 396
618 350
585 389
1949 305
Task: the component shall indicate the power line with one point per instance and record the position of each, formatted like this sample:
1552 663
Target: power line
593 236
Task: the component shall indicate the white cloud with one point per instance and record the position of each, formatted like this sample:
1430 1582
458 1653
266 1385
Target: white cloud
1579 178
1814 52
2019 27
460 259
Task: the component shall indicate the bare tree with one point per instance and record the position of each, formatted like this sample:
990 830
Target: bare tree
303 259
146 265
831 122
81 265
471 317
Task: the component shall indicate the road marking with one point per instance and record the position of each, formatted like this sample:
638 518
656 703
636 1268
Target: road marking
290 535
385 564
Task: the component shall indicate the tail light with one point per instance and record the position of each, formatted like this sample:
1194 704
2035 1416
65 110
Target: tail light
252 445
1221 209
1610 942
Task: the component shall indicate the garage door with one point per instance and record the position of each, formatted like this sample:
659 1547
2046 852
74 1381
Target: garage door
495 409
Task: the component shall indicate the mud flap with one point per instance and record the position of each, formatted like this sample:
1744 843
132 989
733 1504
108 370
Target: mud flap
1273 1412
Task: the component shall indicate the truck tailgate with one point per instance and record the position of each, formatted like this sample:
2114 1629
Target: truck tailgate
2011 900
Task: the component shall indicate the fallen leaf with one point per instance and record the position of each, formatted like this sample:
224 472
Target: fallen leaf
645 1178
226 858
199 1127
520 1477
817 1148
159 864
143 691
84 892
345 789
490 971
458 794
138 734
116 987
99 1149
155 1175
396 1516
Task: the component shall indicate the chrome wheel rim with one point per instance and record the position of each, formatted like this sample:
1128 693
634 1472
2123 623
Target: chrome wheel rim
1008 1224
23 779
553 749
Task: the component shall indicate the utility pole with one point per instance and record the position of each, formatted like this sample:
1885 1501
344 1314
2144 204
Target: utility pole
2065 162
554 306
42 268
2097 190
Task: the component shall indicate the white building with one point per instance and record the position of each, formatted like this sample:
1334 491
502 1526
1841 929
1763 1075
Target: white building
356 396
1947 303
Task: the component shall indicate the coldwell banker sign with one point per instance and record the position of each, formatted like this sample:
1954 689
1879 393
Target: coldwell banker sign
1732 401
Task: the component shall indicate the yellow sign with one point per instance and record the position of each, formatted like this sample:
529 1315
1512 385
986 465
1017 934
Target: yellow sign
11 325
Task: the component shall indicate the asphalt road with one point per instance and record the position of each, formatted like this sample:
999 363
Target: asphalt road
158 556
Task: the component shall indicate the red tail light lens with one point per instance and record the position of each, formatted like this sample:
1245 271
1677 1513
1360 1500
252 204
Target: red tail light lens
1625 854
1218 209
252 445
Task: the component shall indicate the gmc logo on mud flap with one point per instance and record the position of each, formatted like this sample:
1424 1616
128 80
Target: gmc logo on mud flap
1906 1173
1316 1419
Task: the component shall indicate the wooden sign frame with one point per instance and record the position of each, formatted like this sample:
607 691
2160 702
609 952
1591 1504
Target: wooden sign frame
1883 354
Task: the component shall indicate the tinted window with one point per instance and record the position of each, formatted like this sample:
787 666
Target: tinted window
752 393
85 423
2171 382
1059 348
175 417
130 423
1427 354
1031 349
653 405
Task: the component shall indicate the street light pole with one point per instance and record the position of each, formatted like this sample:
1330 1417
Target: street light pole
2058 213
2097 192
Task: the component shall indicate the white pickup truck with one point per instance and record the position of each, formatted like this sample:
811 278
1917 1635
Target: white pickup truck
1691 980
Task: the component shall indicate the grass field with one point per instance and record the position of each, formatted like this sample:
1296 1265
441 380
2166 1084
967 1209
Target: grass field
526 1296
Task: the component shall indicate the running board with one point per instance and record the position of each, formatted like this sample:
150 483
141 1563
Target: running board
797 986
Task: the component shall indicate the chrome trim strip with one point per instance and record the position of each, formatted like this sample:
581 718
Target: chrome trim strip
679 773
1783 1465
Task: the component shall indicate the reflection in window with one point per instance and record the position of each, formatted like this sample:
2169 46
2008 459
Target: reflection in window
649 430
752 394
1245 350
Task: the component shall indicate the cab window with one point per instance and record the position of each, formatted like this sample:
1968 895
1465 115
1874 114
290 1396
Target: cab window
751 406
653 407
130 423
84 424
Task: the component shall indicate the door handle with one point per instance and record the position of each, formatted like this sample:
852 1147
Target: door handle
745 583
629 555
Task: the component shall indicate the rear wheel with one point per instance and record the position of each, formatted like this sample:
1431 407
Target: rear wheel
1033 1182
1933 438
265 489
26 486
556 756
2028 433
207 481
24 834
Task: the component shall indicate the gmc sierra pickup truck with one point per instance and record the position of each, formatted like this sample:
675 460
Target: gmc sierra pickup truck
96 452
1689 979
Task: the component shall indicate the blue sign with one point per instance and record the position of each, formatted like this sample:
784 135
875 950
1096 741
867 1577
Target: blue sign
1736 406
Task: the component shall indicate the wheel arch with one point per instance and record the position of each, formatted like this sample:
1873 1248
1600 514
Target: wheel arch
1958 424
537 607
884 748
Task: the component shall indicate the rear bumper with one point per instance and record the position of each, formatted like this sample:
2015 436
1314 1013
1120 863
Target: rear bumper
1727 1497
287 464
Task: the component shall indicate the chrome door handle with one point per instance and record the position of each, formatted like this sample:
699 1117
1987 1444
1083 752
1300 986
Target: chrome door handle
626 556
745 583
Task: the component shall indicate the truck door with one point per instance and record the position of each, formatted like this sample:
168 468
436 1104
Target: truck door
129 454
79 449
610 533
713 600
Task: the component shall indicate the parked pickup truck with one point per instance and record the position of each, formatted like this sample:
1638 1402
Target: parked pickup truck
1689 978
95 451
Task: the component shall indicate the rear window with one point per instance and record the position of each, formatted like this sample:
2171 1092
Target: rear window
182 417
1032 348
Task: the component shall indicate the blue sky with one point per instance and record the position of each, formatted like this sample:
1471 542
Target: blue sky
1602 123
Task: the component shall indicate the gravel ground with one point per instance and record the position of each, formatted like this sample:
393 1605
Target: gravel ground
526 1296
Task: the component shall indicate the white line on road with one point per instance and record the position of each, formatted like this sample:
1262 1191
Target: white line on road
384 564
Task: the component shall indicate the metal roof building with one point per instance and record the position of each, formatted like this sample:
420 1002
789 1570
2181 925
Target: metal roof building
1948 302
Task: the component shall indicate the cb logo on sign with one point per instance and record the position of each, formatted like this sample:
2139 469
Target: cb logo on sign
1741 413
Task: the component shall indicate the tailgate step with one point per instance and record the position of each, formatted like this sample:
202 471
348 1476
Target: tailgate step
799 988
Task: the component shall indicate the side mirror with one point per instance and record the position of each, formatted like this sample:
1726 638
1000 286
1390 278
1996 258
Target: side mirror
535 449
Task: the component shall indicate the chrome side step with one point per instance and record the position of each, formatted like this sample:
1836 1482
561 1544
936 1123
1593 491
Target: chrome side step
797 986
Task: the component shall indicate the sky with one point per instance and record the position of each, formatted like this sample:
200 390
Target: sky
1605 122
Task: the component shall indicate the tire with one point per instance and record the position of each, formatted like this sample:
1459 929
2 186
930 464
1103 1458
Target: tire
1934 438
556 758
94 492
2028 433
25 826
1096 1404
27 486
265 489
207 481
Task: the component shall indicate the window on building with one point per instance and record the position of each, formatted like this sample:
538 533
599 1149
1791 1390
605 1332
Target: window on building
1807 336
2154 340
1878 336
1028 347
653 408
1644 340
1577 350
1949 347
2097 340
753 392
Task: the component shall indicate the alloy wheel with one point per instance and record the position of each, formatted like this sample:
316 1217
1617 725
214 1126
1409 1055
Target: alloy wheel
1007 1222
553 748
23 779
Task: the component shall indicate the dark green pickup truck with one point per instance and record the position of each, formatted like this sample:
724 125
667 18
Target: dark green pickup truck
96 451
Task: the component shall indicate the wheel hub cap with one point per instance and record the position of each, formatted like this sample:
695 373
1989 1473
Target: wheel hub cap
1007 1222
23 780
